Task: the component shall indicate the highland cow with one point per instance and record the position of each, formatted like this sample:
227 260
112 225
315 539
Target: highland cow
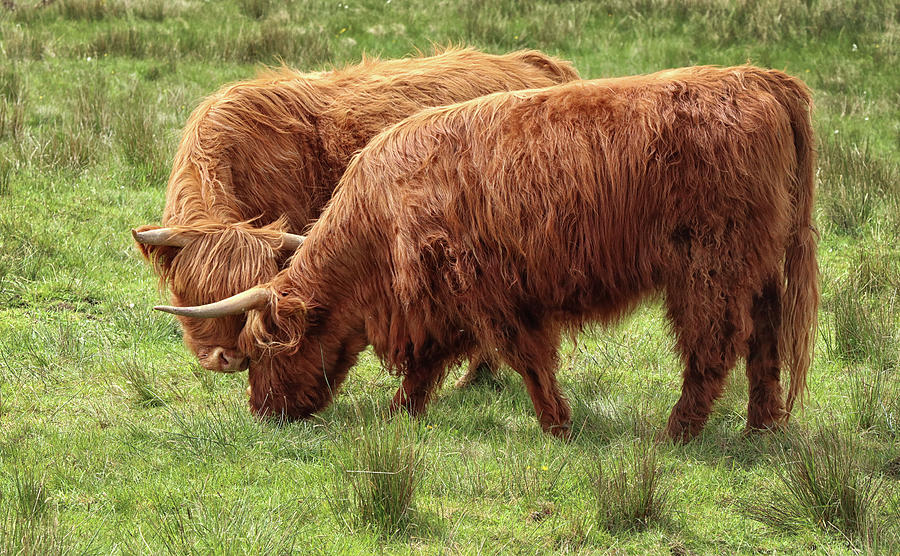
259 159
501 223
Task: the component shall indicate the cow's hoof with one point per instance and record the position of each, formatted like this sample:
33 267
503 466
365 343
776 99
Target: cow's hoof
563 431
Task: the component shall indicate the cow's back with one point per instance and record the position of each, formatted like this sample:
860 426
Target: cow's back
573 200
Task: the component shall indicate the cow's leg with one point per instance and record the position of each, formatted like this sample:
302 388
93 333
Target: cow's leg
419 382
482 369
537 364
765 408
550 405
415 391
712 326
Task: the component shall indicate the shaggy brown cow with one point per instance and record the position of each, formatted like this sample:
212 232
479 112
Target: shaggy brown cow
503 222
269 153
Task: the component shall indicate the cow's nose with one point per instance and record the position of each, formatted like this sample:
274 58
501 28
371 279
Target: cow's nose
232 362
229 361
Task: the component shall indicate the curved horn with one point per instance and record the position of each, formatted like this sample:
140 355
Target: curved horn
254 298
167 237
291 241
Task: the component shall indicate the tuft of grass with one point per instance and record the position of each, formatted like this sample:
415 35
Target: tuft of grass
874 402
141 381
875 270
89 10
70 146
821 485
27 524
205 524
122 42
90 105
255 9
141 138
153 10
23 44
273 43
224 427
44 351
627 491
854 185
863 332
6 172
383 464
12 104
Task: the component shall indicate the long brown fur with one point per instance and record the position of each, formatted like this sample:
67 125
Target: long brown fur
264 156
498 224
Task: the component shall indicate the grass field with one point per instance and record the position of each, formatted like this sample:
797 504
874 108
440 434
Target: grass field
113 440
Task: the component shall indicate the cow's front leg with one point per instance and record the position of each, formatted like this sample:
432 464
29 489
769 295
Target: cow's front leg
416 389
535 359
550 405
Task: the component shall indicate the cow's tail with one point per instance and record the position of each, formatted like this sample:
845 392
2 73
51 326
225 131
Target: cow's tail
801 270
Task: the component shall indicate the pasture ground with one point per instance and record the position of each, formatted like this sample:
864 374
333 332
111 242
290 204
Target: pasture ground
112 439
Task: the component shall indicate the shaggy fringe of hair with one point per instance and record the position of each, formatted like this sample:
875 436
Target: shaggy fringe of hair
265 331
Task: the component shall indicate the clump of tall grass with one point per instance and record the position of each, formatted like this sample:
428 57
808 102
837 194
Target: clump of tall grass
484 22
874 402
875 270
12 102
122 42
69 146
90 104
863 337
821 484
863 330
203 524
854 186
383 464
6 172
153 10
225 427
255 9
140 137
725 21
27 524
628 491
89 10
141 381
303 48
23 43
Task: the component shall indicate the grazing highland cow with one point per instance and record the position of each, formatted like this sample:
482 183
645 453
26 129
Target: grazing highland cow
500 223
259 159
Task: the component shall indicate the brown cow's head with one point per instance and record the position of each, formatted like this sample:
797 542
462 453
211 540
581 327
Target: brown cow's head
300 353
200 264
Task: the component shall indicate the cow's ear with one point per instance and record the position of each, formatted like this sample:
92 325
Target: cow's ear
160 255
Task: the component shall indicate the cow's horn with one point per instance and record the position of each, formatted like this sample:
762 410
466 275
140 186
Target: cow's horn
254 298
167 237
291 241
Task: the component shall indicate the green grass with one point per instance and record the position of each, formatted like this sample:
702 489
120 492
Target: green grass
113 440
822 484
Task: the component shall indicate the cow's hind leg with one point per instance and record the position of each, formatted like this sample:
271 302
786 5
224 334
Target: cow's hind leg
765 409
712 331
482 369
